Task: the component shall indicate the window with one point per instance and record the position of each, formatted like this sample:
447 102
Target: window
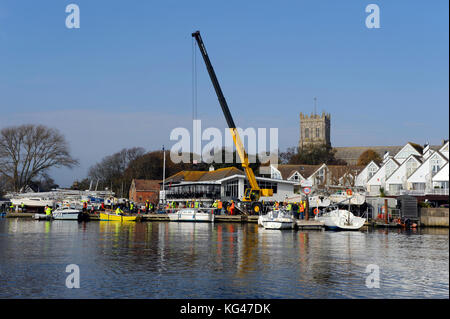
232 189
320 177
317 132
372 170
306 132
435 165
395 188
411 166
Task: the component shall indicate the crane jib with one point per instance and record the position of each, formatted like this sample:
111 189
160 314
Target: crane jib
226 111
212 75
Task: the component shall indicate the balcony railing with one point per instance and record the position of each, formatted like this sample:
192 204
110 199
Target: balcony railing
420 192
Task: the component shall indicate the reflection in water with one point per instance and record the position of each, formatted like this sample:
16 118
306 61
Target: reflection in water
221 260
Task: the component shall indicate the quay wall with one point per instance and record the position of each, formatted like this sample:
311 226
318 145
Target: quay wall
434 217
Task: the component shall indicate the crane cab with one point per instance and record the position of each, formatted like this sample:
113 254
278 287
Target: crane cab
251 195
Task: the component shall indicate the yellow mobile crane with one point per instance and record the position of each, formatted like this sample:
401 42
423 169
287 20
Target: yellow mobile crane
253 194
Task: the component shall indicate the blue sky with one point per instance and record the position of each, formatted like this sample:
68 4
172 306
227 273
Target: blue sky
124 78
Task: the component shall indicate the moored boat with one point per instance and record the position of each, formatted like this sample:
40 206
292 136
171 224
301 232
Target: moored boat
191 215
277 219
66 213
341 219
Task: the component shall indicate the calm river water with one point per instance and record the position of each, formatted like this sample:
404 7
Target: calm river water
222 260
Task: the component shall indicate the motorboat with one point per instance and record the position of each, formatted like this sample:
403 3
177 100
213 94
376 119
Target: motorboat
341 219
191 215
277 219
66 213
32 202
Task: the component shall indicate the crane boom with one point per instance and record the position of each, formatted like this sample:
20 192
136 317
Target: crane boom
226 111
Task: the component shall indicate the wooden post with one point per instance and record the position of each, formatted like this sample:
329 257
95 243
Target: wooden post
386 211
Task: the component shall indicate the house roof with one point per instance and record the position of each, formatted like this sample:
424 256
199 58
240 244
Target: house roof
203 176
351 154
287 170
417 147
337 171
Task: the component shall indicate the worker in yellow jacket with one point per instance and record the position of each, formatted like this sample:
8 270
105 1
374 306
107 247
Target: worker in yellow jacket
48 211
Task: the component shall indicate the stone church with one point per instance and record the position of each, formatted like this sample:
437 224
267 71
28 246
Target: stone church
316 129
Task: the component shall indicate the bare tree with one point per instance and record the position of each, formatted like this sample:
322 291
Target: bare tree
109 171
29 151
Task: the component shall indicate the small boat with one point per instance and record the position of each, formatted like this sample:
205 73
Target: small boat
277 219
341 219
42 217
114 217
66 213
191 215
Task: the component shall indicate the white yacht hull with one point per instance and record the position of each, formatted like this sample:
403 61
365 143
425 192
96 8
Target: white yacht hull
66 214
191 215
278 224
276 220
341 220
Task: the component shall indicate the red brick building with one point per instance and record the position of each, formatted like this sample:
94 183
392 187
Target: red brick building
142 190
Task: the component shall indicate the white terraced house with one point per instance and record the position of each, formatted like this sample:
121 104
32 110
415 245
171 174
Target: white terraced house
366 174
421 181
407 150
397 182
440 180
378 180
444 150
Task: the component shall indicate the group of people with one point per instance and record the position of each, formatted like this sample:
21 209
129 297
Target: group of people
17 208
217 206
298 209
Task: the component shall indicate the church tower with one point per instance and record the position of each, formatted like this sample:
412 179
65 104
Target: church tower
314 129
